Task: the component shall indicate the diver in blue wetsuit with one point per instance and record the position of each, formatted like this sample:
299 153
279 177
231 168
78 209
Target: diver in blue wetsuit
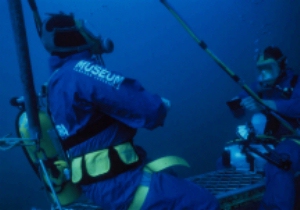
279 89
96 113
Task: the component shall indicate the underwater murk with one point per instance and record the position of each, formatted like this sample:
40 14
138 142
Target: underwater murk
153 47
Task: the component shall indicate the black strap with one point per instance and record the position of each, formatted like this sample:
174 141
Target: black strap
294 81
89 131
117 166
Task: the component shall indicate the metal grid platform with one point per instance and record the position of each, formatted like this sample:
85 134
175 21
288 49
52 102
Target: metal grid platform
234 189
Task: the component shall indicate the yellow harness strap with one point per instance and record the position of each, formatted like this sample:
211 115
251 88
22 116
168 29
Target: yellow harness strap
165 162
296 141
152 167
139 197
98 162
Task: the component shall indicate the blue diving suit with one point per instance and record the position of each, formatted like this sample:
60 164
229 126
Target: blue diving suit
287 102
280 188
80 94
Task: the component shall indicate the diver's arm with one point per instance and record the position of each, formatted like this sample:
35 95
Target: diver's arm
288 108
127 101
271 104
251 104
167 103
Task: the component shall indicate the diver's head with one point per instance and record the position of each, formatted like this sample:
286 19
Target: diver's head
64 35
270 65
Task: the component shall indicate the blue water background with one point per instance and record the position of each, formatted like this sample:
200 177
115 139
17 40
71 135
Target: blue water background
151 46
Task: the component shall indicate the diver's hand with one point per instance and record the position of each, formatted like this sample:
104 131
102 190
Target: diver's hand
166 102
252 105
